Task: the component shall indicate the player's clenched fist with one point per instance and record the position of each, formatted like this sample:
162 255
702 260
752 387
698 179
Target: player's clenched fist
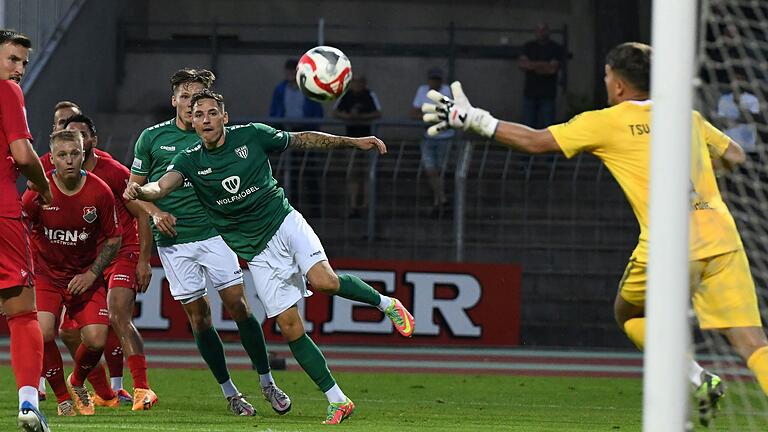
457 113
132 191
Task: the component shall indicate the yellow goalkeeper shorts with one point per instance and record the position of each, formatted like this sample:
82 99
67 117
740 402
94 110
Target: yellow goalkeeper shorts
722 289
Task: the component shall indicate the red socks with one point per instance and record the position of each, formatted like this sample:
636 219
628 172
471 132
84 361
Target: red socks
85 361
113 354
138 365
98 379
26 349
53 370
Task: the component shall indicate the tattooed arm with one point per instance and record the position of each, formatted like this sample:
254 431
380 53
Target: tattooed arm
80 283
324 141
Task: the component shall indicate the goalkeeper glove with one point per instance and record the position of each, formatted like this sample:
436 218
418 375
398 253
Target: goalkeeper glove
456 113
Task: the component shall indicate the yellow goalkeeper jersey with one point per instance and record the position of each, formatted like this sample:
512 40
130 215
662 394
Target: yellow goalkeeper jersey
620 137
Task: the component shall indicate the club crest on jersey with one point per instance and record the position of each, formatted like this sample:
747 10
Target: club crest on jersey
89 214
242 151
231 184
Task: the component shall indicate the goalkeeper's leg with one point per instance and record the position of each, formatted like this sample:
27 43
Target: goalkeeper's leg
709 388
752 346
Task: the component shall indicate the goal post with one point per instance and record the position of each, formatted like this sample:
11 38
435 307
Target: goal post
667 346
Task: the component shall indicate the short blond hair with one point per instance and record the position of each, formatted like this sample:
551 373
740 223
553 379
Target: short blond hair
66 135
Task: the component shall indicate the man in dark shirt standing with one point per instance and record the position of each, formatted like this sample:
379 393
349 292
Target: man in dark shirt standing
358 107
541 61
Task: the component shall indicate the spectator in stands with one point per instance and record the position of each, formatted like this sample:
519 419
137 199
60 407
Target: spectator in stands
289 102
357 108
733 107
434 149
540 60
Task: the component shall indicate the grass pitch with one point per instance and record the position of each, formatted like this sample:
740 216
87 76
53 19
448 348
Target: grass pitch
190 401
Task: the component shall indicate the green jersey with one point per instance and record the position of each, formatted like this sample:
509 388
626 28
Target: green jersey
235 184
154 151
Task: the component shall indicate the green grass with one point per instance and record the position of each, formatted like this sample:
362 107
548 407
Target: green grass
191 402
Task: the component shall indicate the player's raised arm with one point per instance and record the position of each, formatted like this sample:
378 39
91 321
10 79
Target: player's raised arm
458 113
324 141
154 191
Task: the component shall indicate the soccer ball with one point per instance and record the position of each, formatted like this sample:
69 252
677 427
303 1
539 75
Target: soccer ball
323 73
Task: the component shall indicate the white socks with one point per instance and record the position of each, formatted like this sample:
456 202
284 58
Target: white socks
228 388
28 394
384 303
117 383
266 379
694 373
41 386
335 395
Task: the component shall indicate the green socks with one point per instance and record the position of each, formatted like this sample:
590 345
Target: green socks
312 361
252 338
211 349
352 288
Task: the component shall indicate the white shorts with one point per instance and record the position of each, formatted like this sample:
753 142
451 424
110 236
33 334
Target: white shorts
189 266
279 271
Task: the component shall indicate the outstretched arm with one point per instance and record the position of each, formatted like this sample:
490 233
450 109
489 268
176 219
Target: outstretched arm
324 141
458 113
154 191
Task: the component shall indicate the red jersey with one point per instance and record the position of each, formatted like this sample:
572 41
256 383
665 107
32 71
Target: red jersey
115 175
66 234
13 126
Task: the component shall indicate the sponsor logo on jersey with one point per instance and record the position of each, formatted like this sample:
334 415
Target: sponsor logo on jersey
244 193
168 148
65 237
205 171
242 151
103 312
315 253
50 208
231 184
136 163
89 214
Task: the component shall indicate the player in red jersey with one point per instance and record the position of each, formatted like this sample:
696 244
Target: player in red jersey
75 238
17 295
69 330
130 272
62 111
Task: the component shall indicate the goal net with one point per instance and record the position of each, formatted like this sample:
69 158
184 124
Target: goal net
732 88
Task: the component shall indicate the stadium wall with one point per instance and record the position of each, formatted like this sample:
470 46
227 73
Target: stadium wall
81 68
248 80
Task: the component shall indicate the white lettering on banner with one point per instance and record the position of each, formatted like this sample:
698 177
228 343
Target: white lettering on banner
151 316
453 310
342 319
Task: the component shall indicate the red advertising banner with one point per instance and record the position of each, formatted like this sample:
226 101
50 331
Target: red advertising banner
452 304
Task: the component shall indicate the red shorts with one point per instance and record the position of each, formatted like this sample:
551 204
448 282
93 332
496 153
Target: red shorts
122 272
15 256
87 308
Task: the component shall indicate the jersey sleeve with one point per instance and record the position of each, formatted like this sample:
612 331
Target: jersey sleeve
717 141
12 114
582 133
181 164
142 155
269 138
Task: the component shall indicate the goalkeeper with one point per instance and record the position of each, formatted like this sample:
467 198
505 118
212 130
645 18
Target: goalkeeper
722 289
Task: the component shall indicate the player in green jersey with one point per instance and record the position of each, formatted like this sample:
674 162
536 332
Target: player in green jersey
192 251
232 177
